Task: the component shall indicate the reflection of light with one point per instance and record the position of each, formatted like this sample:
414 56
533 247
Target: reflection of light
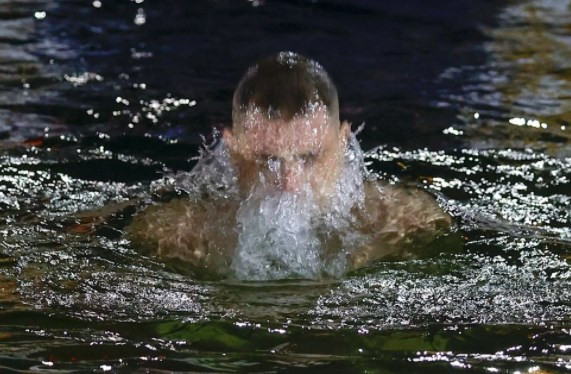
119 99
517 121
40 15
83 78
256 3
139 54
520 121
459 364
533 123
476 115
140 18
97 4
451 130
279 331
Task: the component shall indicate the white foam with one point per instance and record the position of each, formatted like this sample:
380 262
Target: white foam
276 237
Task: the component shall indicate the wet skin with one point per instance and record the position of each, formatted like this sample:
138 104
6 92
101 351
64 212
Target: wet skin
306 152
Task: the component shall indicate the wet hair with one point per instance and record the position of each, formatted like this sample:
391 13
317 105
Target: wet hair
283 86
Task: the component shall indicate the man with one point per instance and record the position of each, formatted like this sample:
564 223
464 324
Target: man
283 194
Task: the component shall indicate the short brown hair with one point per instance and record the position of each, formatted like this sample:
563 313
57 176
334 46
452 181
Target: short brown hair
283 86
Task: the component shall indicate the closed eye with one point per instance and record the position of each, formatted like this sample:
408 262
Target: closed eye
268 161
308 159
268 158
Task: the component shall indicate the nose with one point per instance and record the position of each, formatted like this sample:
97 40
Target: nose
290 177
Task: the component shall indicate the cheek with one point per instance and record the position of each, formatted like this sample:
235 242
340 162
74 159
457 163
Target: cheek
252 173
321 171
247 170
328 162
326 170
318 177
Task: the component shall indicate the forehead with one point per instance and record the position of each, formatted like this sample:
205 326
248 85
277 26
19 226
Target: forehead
304 133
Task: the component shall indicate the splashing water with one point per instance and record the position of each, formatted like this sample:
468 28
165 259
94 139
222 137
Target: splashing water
276 238
284 234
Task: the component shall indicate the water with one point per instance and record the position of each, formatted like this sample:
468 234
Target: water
470 101
279 233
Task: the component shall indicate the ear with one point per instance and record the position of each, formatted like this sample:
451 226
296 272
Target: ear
345 131
228 137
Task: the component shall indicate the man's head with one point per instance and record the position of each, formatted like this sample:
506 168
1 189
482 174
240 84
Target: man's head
285 126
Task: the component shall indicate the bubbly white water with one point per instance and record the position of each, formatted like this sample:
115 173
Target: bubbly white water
277 238
284 234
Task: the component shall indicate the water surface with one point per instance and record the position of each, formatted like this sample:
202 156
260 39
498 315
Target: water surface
99 100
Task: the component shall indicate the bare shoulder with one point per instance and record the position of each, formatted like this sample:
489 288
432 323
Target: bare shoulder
398 220
407 207
183 229
160 221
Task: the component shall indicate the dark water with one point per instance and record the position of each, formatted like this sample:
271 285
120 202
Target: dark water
471 100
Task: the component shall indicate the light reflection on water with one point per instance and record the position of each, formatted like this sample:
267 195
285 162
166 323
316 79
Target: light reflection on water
492 297
525 81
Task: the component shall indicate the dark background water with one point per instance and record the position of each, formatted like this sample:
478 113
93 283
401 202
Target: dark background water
98 102
385 58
